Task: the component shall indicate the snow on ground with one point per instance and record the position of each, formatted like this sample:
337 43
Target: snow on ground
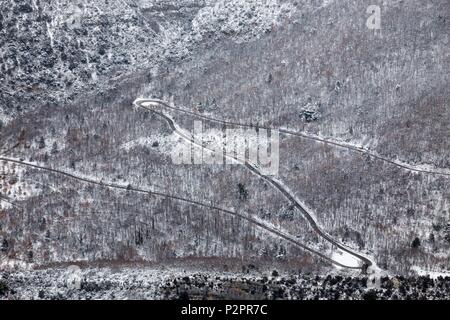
15 186
162 143
307 209
13 264
365 146
432 274
123 283
237 141
227 16
4 118
345 258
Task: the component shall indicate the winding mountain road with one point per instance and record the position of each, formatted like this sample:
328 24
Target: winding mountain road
151 104
350 147
147 103
129 188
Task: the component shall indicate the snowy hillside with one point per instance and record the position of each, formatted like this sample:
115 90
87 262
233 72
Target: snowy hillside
87 177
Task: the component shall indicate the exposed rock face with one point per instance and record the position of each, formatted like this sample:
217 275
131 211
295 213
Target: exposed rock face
145 283
52 51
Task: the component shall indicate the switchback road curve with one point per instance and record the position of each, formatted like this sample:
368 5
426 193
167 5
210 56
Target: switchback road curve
152 104
129 188
350 147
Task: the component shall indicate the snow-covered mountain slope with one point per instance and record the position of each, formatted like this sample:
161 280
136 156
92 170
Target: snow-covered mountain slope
92 179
